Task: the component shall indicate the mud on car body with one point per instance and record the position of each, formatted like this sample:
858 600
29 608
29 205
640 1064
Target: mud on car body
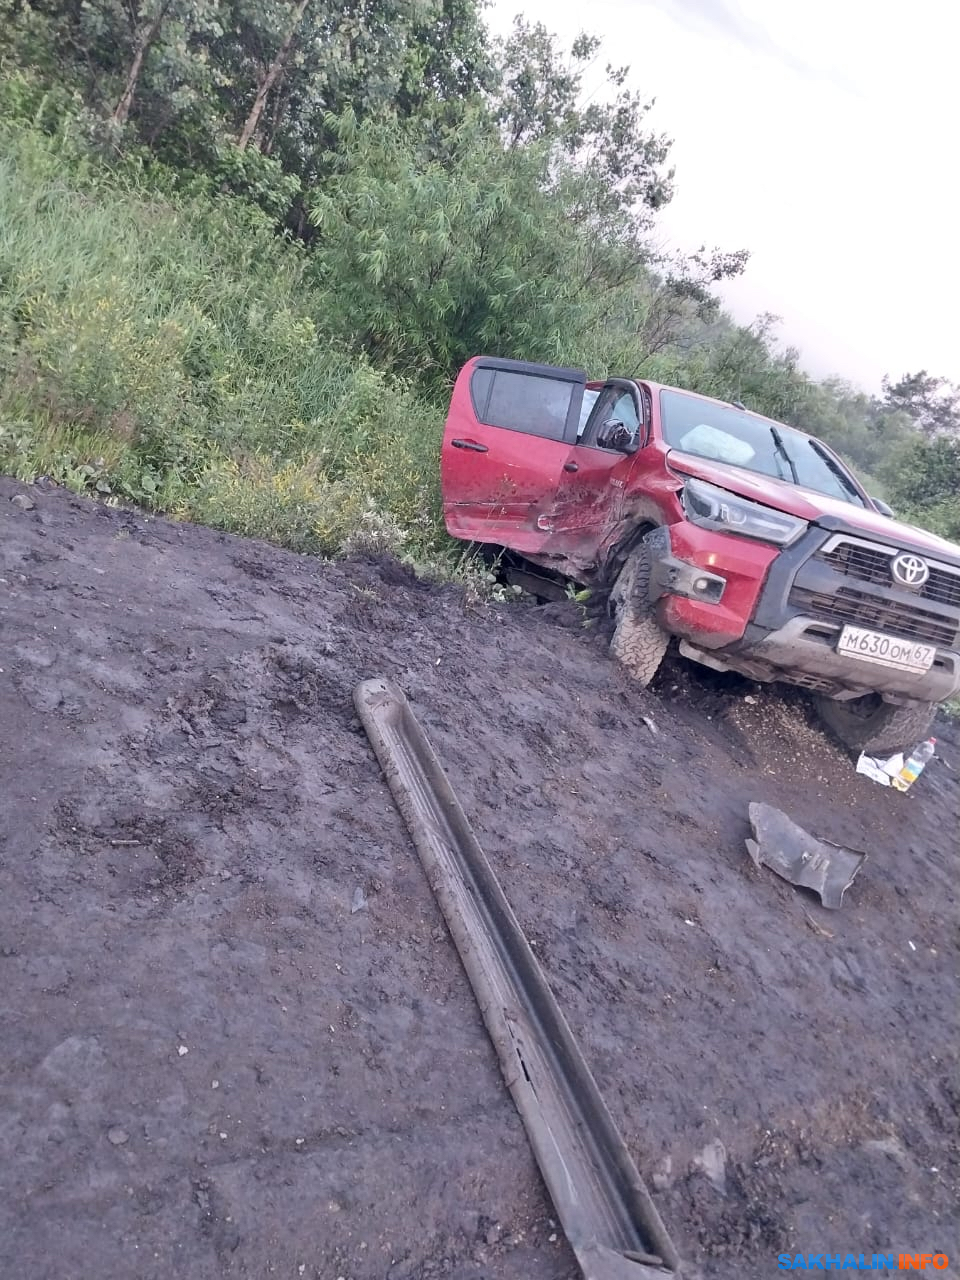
750 542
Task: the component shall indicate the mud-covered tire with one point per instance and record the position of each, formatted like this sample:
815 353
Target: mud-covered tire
638 641
877 727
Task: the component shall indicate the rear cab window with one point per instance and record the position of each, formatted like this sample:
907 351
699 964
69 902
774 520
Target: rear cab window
540 404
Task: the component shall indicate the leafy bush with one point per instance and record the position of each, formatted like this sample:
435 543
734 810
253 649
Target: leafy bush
169 351
923 480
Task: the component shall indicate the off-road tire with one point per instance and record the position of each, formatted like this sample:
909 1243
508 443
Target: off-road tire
877 727
638 641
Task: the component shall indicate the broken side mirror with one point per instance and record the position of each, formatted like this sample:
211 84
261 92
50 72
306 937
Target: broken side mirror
882 507
614 434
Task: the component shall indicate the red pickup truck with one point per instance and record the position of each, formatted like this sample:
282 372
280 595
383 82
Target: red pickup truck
749 541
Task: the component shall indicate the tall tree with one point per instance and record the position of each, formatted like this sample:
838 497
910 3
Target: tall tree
138 63
147 27
271 77
607 140
373 57
933 403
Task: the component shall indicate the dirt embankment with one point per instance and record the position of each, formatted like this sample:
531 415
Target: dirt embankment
213 1066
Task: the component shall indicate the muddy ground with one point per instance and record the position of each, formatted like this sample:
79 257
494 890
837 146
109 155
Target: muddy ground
212 1066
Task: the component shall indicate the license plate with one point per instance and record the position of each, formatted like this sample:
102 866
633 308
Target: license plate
888 651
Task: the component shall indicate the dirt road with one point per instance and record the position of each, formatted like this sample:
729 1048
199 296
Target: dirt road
213 1066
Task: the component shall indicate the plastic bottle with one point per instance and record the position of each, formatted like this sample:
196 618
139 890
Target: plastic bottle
915 763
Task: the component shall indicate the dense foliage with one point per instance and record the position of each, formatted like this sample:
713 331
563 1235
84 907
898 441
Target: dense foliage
244 247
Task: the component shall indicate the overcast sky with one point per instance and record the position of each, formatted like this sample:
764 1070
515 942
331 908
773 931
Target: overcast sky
822 136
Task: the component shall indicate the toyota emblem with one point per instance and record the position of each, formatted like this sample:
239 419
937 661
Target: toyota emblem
909 571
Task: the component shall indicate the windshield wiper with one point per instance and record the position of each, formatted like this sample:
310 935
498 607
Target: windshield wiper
782 450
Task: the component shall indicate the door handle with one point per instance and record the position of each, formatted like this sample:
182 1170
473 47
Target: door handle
470 444
570 466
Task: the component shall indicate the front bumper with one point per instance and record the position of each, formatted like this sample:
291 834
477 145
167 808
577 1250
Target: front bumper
684 556
803 652
762 624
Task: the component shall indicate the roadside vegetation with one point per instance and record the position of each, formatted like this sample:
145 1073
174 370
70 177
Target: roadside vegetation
244 249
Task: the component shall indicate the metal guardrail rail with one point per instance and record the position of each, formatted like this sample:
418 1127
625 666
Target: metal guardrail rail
606 1211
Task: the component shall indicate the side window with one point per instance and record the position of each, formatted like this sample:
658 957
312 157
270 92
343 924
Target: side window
614 404
624 410
537 405
590 398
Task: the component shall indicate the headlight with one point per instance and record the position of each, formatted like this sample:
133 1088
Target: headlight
714 508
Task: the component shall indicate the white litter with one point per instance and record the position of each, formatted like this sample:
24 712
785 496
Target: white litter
880 770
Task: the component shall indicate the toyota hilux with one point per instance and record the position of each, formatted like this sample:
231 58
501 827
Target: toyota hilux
748 541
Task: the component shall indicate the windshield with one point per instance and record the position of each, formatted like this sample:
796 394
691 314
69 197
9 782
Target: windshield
742 439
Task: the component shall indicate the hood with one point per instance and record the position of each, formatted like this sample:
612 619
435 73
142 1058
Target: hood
818 508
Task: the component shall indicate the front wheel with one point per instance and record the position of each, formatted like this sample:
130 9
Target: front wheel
879 728
638 642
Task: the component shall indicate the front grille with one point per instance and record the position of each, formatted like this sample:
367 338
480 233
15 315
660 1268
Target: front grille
942 587
865 610
872 564
869 564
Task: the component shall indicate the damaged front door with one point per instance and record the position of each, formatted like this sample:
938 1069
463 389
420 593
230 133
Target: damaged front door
589 496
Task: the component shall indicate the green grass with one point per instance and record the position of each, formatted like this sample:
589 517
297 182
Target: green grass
171 353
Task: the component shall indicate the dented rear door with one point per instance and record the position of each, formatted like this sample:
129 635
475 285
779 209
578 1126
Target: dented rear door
508 436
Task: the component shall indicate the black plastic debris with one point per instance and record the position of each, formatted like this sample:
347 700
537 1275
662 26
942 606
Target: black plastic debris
778 843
